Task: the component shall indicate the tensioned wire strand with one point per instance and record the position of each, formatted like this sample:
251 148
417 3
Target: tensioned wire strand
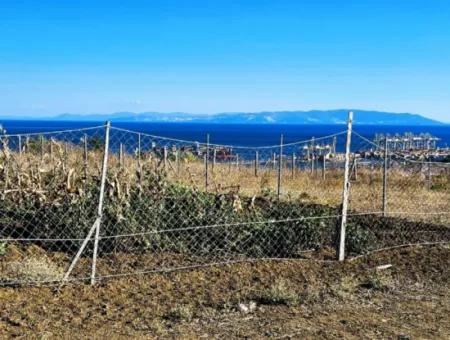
25 134
228 145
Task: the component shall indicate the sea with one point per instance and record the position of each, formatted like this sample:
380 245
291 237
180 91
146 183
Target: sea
231 134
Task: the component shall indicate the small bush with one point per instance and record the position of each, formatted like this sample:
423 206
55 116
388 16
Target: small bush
31 269
359 240
181 313
380 281
280 293
2 248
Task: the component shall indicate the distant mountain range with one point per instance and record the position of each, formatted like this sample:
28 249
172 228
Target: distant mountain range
269 117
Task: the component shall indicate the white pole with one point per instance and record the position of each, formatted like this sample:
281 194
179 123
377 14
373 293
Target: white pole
207 162
385 176
280 159
100 202
345 192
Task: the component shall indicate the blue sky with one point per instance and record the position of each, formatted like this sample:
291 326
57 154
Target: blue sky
219 56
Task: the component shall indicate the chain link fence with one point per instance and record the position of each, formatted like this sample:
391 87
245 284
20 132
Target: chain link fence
106 202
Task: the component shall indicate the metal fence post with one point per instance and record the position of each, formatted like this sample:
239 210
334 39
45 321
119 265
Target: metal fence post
42 147
214 160
85 156
313 154
165 158
100 201
256 163
96 225
293 165
324 166
139 151
206 162
20 147
177 160
345 193
385 176
280 160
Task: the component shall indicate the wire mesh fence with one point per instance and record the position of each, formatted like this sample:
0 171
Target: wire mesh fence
167 204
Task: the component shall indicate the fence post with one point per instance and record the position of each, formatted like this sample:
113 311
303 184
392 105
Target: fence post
42 147
100 200
165 158
139 151
85 157
20 147
324 166
280 160
256 163
293 165
313 155
177 160
345 192
206 162
429 180
96 226
214 159
385 176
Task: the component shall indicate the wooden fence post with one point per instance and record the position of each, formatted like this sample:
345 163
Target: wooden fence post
345 193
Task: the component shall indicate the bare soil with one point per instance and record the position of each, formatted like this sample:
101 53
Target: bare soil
352 299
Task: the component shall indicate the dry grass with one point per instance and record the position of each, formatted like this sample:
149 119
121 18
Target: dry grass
409 191
31 269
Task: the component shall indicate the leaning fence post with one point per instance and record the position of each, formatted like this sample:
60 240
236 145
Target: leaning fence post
385 176
345 193
280 160
100 201
96 226
206 162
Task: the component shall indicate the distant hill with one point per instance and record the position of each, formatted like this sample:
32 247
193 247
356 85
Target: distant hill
276 117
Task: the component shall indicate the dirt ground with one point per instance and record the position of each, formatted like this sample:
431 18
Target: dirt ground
266 299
